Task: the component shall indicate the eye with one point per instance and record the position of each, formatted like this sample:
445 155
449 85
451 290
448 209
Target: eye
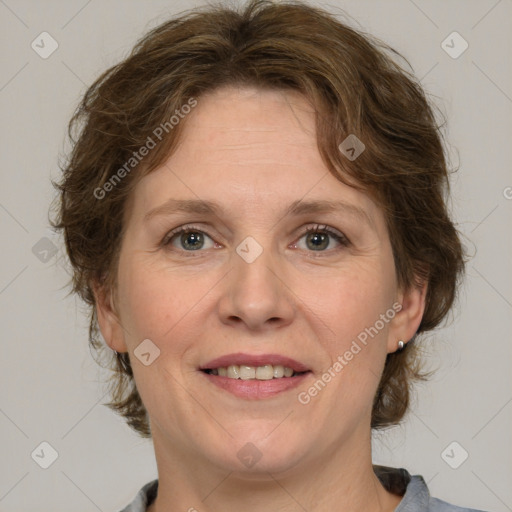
317 238
188 238
320 238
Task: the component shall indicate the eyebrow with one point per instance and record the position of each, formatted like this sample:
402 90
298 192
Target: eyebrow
299 207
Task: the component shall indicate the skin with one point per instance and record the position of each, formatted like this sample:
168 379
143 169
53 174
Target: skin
254 152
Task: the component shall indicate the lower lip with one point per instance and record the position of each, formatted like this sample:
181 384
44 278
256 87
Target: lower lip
256 389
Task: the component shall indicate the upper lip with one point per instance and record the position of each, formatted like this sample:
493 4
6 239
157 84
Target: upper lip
254 360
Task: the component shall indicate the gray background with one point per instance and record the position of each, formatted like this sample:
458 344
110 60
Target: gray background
50 386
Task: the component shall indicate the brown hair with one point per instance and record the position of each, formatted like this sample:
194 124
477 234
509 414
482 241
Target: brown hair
357 88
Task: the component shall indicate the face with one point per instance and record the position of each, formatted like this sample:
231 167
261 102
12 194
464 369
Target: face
243 256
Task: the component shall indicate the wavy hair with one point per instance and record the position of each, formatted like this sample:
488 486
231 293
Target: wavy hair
356 85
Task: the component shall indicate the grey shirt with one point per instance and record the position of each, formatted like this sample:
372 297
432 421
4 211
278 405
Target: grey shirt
416 496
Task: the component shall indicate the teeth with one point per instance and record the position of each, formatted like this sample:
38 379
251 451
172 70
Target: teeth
278 371
233 372
265 372
246 372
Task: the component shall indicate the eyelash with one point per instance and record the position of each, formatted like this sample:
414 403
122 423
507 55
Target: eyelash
317 228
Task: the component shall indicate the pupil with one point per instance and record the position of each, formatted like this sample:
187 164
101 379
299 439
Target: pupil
192 241
318 241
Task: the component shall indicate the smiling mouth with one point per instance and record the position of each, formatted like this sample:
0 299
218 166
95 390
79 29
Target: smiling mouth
247 372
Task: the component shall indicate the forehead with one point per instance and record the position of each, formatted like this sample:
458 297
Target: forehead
247 126
246 146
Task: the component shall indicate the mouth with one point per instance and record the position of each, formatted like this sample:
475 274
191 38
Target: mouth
255 376
247 372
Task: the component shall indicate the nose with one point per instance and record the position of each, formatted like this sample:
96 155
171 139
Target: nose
256 295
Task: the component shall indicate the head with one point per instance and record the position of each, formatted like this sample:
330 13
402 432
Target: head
234 126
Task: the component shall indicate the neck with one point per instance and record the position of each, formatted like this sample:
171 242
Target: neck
342 479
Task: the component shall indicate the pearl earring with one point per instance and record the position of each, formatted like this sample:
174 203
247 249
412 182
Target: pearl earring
400 346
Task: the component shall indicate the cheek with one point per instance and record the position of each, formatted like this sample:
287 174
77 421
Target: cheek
355 309
153 301
352 300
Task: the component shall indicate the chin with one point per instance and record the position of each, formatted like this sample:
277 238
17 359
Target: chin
254 456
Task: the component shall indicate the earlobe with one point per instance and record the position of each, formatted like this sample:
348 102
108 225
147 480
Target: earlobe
108 320
407 321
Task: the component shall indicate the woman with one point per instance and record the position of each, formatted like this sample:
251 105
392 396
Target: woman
254 211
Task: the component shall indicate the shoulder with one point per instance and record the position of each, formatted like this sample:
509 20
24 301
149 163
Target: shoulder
414 491
436 505
144 498
417 498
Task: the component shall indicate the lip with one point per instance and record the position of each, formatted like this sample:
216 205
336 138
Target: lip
256 389
255 360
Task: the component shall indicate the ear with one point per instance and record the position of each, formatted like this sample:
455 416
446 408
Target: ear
406 322
108 318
